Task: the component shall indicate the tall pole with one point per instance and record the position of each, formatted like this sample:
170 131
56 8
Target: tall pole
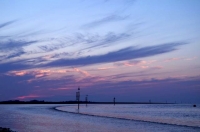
78 96
86 99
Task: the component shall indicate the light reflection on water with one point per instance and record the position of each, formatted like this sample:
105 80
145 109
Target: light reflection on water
170 114
42 118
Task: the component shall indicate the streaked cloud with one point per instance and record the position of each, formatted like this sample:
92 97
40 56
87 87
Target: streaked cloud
16 53
115 56
14 44
12 66
120 55
2 25
108 48
104 20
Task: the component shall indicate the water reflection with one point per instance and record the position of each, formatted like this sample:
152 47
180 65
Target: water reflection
42 118
170 114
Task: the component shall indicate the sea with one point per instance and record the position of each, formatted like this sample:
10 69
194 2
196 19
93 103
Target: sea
101 118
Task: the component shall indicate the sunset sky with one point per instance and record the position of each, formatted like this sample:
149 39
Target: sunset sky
133 50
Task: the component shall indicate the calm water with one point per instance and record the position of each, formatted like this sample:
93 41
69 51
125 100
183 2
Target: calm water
98 118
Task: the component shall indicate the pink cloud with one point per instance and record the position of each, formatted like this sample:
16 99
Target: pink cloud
144 67
60 89
47 57
82 71
176 59
28 96
158 67
18 73
105 68
135 63
171 59
128 64
189 59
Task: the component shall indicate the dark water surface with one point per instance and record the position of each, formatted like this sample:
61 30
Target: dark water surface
100 118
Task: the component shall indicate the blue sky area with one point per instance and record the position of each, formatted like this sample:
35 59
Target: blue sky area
133 50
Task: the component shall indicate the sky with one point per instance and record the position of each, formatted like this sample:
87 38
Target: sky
133 50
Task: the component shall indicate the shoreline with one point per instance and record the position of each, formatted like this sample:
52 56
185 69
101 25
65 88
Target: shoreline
75 102
2 129
46 119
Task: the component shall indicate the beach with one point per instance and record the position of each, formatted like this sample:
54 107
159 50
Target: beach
98 118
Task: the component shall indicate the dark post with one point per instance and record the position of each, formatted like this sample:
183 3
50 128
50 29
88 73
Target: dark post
86 99
114 101
78 96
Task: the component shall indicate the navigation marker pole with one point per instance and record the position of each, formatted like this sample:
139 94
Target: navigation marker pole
78 96
86 99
